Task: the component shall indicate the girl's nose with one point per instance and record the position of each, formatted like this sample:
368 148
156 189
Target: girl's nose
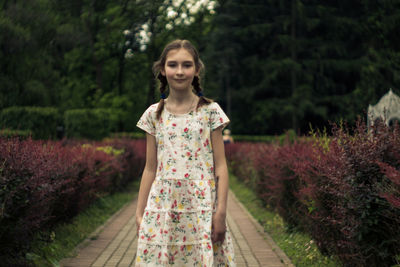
179 70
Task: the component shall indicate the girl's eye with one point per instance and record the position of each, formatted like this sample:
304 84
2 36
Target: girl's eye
184 65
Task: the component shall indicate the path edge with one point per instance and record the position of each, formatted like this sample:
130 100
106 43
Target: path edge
84 243
278 251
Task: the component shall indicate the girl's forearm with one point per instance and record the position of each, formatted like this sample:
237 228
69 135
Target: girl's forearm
223 186
144 190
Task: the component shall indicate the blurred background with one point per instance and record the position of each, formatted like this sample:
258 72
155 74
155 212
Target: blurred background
273 65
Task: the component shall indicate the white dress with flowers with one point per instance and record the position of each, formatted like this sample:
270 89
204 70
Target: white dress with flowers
177 221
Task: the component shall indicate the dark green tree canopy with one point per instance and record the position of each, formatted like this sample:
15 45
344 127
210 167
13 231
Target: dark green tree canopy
291 63
273 65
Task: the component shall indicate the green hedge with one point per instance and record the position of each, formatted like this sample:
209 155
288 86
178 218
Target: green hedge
290 136
41 121
89 123
8 133
131 135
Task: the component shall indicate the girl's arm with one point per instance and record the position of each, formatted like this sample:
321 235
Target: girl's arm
221 172
149 173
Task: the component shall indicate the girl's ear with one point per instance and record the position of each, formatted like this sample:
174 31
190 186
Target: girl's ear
162 71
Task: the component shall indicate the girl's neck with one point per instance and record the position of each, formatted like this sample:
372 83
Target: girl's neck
176 97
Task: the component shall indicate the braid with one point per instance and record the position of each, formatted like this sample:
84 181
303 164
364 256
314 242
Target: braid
196 86
163 88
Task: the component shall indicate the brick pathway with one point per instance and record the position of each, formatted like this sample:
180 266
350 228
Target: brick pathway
114 244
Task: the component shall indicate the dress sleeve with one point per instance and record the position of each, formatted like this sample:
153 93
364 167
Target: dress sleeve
218 117
147 121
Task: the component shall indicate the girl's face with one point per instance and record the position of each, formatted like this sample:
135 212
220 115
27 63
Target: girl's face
179 69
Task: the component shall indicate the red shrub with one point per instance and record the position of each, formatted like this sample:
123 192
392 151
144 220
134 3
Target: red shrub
366 225
240 157
345 192
132 161
46 182
392 190
280 184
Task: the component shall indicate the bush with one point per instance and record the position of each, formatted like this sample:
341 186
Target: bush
132 161
41 121
350 191
241 157
279 184
131 135
8 133
289 136
344 190
44 183
89 123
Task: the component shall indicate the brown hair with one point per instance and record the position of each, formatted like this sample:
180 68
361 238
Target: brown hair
159 65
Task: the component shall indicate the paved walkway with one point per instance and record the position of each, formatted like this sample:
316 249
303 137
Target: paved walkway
114 244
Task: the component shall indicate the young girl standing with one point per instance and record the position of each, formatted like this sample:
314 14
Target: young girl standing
181 210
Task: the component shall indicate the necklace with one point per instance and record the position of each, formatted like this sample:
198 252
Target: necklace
190 106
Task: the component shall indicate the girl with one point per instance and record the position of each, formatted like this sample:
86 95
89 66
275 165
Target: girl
180 222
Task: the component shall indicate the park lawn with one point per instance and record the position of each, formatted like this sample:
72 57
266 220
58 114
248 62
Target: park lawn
299 247
67 236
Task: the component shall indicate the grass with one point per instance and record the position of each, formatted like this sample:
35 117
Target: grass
299 247
67 236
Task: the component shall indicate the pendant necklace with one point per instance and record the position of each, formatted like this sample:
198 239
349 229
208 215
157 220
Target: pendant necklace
191 104
190 107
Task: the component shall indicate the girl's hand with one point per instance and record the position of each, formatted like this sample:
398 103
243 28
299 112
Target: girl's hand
138 222
218 227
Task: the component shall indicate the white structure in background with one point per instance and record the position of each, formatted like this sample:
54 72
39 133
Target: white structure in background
387 109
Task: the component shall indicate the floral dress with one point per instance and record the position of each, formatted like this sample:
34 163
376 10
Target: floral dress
177 220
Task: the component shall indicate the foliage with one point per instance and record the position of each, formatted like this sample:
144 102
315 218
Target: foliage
89 123
79 54
8 133
131 135
27 76
272 65
132 160
43 183
299 247
66 236
344 193
353 206
284 64
41 121
280 139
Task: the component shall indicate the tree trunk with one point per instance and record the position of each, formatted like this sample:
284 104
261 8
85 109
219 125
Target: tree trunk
97 63
151 53
293 79
121 73
228 94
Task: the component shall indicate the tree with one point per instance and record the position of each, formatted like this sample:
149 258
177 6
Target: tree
88 54
169 20
290 63
26 76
